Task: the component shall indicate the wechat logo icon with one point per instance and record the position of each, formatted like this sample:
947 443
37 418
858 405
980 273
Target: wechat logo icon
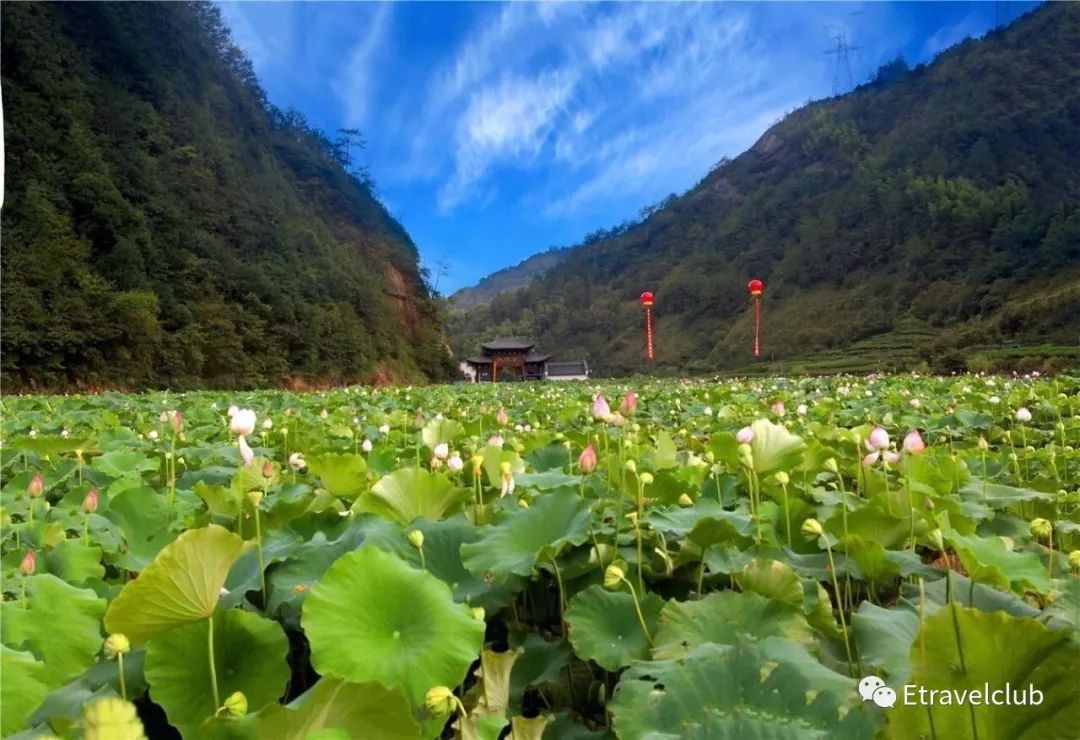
874 689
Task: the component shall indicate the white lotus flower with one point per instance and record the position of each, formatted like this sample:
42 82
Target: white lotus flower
267 423
232 410
801 409
1023 415
384 429
246 453
242 423
152 435
442 450
296 461
366 445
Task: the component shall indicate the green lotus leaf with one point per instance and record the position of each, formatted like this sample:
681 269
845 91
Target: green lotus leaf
494 457
367 710
997 649
664 457
604 626
226 501
772 579
1066 606
774 447
73 562
410 493
438 431
720 618
539 662
729 692
23 688
60 624
343 475
180 586
555 519
1001 496
65 704
252 478
966 593
988 560
371 617
547 481
124 464
706 523
51 445
249 654
884 638
142 516
873 560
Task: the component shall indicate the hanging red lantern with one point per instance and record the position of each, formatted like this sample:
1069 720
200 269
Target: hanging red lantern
756 288
646 303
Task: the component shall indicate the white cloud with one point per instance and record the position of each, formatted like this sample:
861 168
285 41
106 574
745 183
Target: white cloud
356 87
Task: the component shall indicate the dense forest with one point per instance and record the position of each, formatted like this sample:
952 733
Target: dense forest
927 219
164 225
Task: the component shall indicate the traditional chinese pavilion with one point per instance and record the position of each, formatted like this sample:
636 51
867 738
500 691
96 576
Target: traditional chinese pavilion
513 359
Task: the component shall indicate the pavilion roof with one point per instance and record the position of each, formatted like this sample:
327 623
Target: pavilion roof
508 343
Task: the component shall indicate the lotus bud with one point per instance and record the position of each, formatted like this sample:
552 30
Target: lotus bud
502 418
442 451
983 444
1013 457
892 458
152 435
631 466
1074 559
746 455
685 500
477 463
496 440
801 409
296 461
440 700
117 644
629 403
163 417
812 528
455 463
242 422
879 439
247 455
384 429
938 539
267 424
600 407
267 470
646 479
613 576
782 478
913 443
478 613
28 564
90 501
236 705
366 445
744 436
36 487
587 459
416 538
255 498
1023 415
1040 528
831 466
176 421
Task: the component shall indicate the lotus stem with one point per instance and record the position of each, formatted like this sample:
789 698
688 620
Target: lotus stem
562 596
637 608
839 606
213 666
120 669
262 565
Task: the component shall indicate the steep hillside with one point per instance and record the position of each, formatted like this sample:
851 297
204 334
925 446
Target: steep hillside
164 226
931 216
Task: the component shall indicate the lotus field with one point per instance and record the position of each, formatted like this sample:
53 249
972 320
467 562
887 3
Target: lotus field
682 559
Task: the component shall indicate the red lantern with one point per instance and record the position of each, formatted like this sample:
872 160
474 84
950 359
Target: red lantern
756 288
646 303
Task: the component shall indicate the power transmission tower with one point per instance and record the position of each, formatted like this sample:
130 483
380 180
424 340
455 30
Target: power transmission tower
842 70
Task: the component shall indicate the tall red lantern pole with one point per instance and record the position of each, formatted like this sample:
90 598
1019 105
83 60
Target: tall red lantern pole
756 287
646 303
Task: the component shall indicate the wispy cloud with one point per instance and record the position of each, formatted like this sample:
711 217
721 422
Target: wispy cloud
356 85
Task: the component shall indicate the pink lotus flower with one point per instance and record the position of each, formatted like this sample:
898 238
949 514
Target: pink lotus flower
28 564
496 440
879 440
778 408
626 408
587 461
176 421
913 442
36 487
600 408
870 459
90 502
893 458
744 436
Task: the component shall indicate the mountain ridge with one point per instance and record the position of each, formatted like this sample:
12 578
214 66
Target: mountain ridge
941 195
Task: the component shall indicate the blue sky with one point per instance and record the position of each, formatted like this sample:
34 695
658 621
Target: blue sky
497 130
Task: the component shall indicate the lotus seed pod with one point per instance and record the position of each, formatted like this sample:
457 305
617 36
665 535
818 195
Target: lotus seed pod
613 576
630 466
439 700
117 644
812 528
782 478
255 498
646 479
1040 528
236 705
685 500
416 538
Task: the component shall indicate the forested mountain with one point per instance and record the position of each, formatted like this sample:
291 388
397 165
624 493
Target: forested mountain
932 216
509 278
165 226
